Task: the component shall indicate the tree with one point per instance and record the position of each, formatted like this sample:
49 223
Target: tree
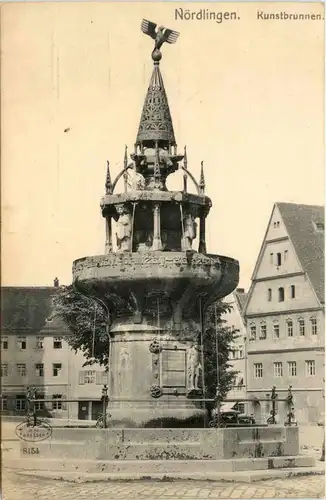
86 321
216 328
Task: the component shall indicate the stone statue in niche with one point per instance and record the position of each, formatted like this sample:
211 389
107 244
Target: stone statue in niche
123 229
144 241
194 367
190 231
164 239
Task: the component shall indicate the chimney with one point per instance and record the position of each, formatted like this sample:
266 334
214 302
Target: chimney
56 282
240 290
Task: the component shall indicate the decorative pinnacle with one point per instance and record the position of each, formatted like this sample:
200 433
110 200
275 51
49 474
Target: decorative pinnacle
160 36
185 164
125 174
202 179
185 158
108 183
157 170
125 161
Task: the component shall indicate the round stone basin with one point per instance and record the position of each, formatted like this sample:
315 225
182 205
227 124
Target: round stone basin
204 270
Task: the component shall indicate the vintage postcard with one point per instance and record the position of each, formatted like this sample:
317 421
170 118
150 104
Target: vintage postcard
162 292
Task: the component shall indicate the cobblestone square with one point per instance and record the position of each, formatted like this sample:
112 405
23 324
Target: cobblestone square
19 487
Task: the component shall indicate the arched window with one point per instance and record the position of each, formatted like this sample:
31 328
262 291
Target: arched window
253 331
281 294
302 328
289 324
269 294
276 330
263 330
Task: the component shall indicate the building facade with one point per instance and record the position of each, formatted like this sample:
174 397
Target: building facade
34 352
234 320
284 313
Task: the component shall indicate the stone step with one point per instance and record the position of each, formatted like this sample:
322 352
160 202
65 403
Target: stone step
236 476
145 467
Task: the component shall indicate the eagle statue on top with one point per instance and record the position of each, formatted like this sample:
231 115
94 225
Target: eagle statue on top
161 35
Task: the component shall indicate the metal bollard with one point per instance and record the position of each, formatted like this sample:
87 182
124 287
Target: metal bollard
105 400
273 398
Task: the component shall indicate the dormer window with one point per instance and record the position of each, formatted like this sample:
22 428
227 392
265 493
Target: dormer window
57 343
319 226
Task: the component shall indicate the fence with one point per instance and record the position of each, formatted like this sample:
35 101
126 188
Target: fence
214 404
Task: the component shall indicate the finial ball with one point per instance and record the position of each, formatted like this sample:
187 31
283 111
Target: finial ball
156 55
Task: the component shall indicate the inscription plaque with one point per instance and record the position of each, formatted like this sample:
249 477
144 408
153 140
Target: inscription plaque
173 368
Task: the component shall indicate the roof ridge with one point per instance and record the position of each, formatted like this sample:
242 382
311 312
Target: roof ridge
298 204
307 242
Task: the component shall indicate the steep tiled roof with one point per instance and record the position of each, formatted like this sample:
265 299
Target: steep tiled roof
308 242
27 309
241 299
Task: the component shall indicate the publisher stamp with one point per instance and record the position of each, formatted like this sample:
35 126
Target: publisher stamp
33 433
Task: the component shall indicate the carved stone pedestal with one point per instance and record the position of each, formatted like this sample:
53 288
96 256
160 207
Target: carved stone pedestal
149 377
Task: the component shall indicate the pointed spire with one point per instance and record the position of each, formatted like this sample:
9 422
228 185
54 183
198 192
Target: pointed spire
185 164
108 183
156 122
202 179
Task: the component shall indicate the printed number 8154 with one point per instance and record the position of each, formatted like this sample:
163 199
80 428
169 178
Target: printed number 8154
31 451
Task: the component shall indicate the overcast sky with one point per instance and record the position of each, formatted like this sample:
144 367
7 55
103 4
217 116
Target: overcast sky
246 97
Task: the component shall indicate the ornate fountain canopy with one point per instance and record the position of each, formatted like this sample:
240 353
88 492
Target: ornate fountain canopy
156 123
156 126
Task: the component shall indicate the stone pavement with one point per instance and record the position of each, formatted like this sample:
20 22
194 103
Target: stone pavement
18 487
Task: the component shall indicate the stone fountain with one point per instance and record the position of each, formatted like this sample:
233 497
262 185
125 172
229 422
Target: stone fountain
155 284
156 287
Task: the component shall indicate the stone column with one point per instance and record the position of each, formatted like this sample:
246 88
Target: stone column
108 235
202 234
157 242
